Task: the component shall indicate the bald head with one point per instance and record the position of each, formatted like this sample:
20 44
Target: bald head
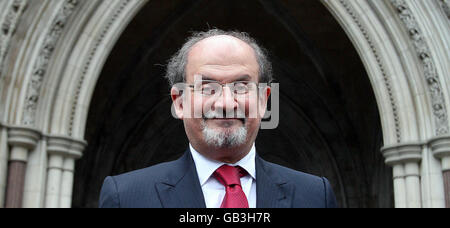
222 46
225 54
230 40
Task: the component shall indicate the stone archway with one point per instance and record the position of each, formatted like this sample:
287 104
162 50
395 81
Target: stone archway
320 79
51 62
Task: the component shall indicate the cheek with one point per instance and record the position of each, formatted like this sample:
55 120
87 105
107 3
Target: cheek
252 125
195 106
193 127
250 106
203 106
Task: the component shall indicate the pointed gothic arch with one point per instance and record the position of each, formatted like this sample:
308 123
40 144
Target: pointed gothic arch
52 55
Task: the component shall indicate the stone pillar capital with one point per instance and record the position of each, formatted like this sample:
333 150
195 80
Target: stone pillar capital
440 146
21 136
65 146
402 153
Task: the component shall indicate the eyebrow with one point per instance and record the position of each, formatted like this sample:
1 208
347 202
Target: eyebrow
240 78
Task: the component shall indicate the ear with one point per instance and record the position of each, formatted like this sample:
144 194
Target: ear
177 99
263 99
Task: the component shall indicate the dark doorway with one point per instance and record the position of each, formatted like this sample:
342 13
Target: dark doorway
329 125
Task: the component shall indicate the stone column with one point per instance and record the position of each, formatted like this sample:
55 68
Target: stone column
54 174
75 152
4 154
405 160
398 172
21 140
440 147
62 151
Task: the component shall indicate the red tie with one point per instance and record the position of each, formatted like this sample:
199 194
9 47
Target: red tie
230 177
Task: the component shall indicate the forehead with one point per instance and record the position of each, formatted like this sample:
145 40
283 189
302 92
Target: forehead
222 57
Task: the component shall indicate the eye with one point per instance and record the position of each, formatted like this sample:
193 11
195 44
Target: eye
209 88
240 87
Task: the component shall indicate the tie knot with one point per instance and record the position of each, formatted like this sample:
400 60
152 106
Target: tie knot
230 175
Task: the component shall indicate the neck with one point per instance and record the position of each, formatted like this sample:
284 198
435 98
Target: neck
230 155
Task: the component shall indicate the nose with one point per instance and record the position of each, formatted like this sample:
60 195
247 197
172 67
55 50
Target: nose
226 102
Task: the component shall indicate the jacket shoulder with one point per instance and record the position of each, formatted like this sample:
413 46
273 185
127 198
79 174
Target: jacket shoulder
135 188
151 173
293 176
309 190
143 178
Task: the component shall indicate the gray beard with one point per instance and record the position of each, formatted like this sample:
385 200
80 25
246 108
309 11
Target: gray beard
223 139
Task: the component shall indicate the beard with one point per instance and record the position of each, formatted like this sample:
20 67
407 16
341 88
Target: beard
227 137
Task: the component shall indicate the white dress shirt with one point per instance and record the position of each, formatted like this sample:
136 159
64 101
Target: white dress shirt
213 190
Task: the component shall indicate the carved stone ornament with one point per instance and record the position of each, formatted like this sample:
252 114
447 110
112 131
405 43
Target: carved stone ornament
41 63
8 26
428 66
93 51
386 79
445 5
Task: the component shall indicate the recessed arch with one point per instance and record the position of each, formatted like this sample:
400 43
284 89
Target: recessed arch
165 33
402 50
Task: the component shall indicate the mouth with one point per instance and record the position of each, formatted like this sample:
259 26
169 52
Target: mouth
227 120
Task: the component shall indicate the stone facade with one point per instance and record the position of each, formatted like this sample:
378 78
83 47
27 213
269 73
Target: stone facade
52 53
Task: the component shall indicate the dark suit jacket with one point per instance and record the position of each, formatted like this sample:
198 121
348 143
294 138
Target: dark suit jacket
176 185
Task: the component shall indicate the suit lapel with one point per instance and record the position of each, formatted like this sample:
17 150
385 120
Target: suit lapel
181 188
272 191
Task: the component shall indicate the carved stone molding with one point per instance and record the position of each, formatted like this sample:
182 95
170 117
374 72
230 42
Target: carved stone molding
402 153
92 53
23 136
440 146
8 26
65 146
43 59
445 5
429 69
386 79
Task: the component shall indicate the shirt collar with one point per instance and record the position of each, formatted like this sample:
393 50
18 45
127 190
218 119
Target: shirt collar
206 167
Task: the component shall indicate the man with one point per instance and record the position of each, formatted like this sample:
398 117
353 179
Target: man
219 89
